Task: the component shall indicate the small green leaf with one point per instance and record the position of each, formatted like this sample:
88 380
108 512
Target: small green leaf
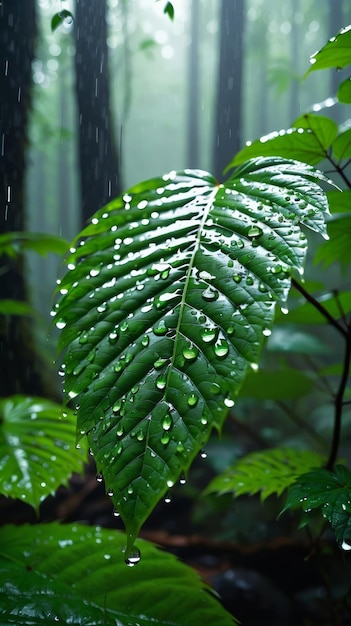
329 491
37 448
342 143
16 307
70 566
308 140
268 472
15 243
288 339
279 384
344 91
62 17
336 53
339 201
337 249
169 10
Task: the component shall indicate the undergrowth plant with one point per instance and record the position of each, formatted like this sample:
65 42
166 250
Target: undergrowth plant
168 298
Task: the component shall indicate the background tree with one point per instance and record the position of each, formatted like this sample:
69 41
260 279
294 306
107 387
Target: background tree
20 368
229 91
98 155
193 87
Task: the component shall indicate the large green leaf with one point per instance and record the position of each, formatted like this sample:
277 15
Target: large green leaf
266 472
167 300
76 574
329 491
344 91
308 140
16 307
342 143
336 53
339 201
37 448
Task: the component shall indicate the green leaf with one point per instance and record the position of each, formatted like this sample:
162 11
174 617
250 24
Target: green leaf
169 10
15 243
288 339
282 384
37 448
339 201
15 307
268 472
62 17
306 313
165 305
72 572
337 249
342 143
344 91
329 491
336 53
308 140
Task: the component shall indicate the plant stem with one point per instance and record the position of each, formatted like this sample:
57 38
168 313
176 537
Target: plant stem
317 305
339 404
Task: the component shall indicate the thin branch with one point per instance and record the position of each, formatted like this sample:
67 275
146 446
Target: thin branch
302 423
339 403
317 305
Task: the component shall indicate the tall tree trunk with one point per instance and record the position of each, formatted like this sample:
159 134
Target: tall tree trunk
227 136
98 155
193 88
20 369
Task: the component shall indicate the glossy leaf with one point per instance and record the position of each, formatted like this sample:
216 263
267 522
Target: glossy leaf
344 91
330 492
15 243
306 313
166 303
282 384
337 249
342 143
267 472
37 448
336 53
75 568
308 140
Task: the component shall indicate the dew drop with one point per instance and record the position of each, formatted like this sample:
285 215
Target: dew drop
215 389
237 278
210 294
124 327
190 353
91 356
99 478
266 332
110 493
84 337
160 329
193 399
228 402
208 335
254 231
145 341
115 513
166 422
165 438
168 499
203 454
113 337
161 382
119 431
159 363
130 490
182 479
221 349
60 324
134 558
140 435
345 545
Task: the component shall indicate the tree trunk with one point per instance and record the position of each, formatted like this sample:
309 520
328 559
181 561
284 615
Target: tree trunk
193 88
227 136
98 155
21 370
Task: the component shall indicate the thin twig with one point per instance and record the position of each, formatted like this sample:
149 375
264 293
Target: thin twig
317 305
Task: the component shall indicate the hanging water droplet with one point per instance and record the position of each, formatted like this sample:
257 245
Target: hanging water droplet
119 430
113 337
203 454
168 499
134 557
161 382
182 479
110 493
345 545
166 421
228 402
145 341
115 513
193 399
130 490
221 349
60 324
266 332
84 337
91 452
190 353
99 478
210 294
254 231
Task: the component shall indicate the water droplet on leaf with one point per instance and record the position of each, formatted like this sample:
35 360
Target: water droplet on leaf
134 557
